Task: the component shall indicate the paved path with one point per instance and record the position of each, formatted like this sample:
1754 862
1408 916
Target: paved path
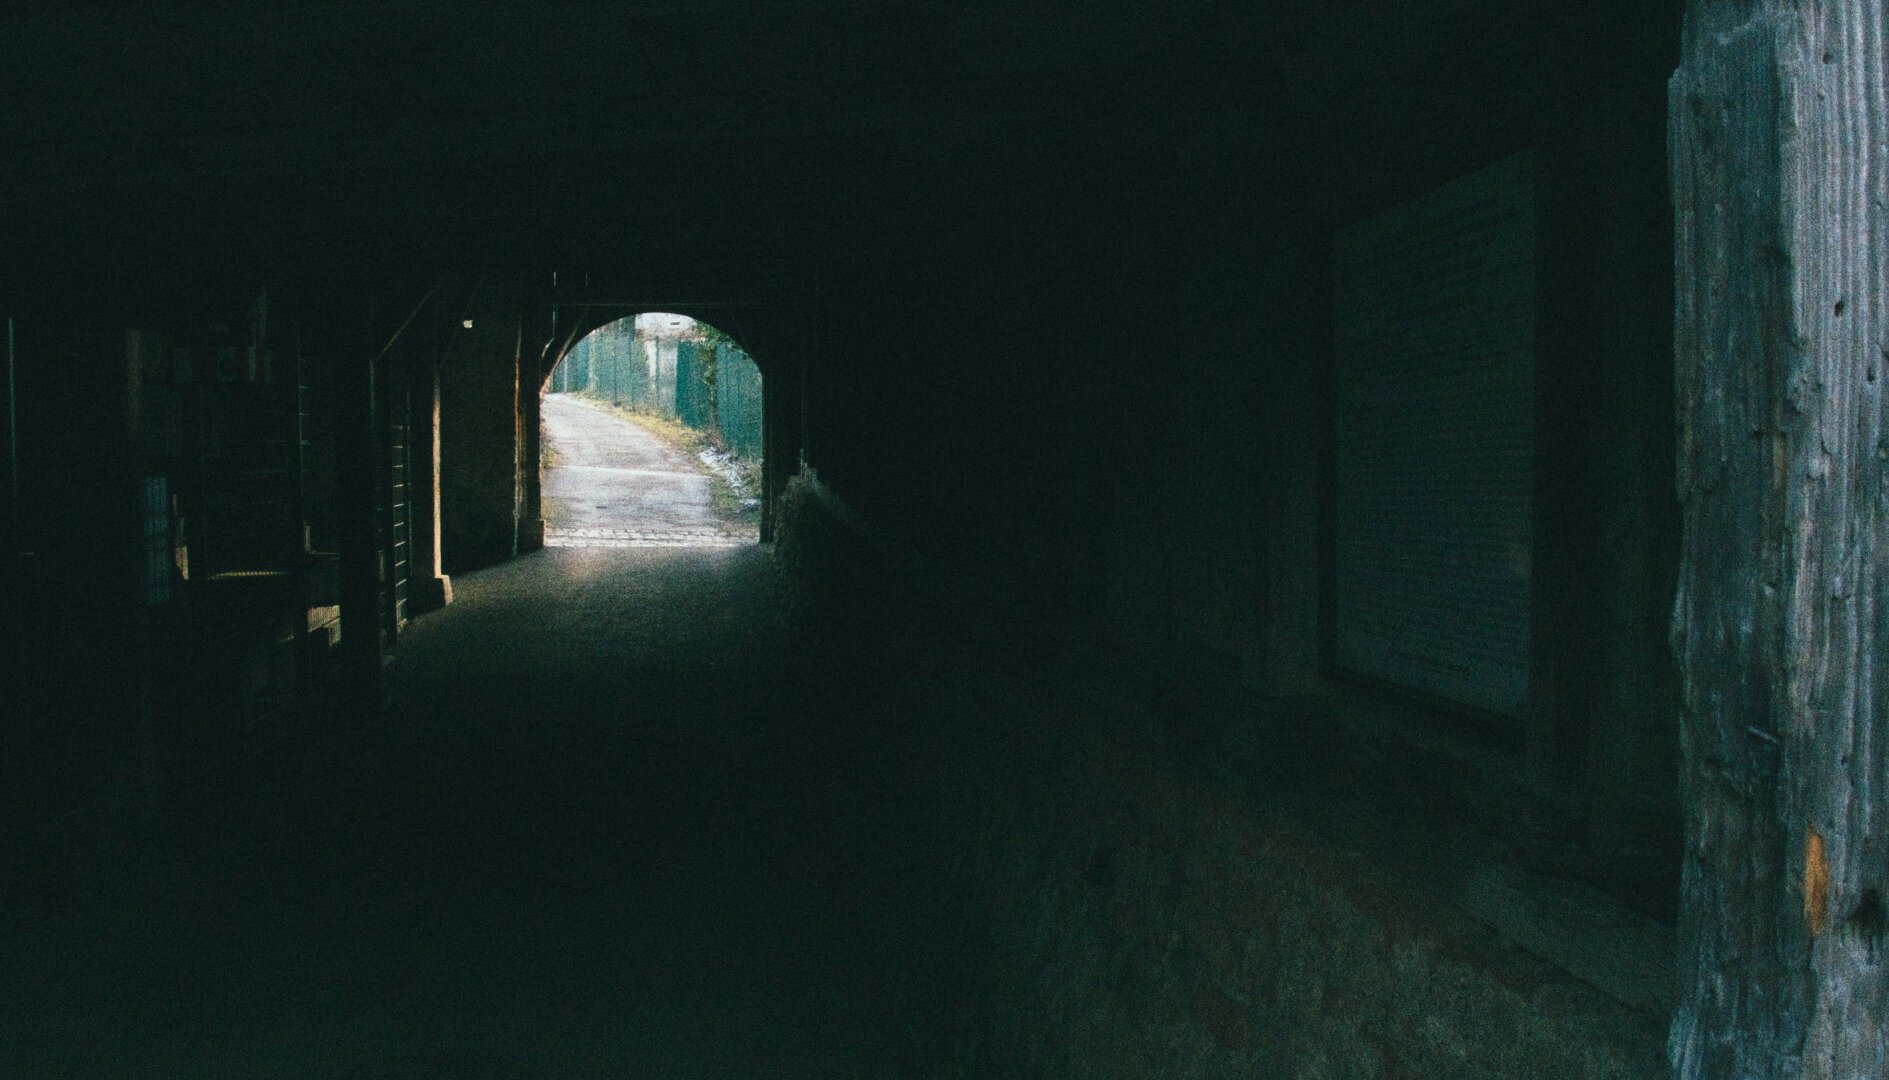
609 828
616 485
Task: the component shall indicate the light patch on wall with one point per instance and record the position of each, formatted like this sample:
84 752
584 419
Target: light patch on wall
1816 882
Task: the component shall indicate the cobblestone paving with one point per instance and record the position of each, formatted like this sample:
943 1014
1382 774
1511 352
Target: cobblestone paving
631 538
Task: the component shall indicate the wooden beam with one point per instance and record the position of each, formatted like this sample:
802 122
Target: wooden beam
357 490
1778 138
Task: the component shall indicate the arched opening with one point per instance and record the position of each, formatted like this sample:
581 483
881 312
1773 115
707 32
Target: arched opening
650 432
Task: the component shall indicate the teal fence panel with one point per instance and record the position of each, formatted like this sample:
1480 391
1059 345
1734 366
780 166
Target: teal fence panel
695 373
630 375
718 392
738 402
578 366
664 378
600 348
615 346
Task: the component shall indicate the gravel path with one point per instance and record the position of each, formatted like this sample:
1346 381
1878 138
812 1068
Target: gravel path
616 485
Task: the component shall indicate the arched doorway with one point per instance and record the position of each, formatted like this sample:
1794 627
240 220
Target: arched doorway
651 437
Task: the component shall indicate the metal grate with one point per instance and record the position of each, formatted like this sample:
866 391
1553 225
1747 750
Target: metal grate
1435 393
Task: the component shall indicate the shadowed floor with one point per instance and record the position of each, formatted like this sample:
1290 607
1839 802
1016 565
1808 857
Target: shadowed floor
606 829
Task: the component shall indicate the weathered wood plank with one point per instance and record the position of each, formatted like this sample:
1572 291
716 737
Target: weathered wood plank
1778 137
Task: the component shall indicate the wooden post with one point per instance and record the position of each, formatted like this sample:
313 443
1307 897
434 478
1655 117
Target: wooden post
1779 152
431 588
531 422
12 542
16 770
358 492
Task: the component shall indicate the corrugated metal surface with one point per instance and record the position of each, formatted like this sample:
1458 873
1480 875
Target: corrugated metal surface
1435 431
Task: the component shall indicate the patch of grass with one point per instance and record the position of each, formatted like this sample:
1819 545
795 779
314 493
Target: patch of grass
728 500
726 504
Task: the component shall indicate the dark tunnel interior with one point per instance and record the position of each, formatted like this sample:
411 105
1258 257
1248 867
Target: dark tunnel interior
1228 595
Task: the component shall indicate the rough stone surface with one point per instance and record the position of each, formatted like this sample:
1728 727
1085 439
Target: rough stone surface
480 431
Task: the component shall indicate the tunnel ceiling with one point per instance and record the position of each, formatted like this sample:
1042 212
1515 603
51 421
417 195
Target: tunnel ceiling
258 137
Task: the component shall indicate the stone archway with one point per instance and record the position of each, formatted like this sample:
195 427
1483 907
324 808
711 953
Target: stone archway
650 433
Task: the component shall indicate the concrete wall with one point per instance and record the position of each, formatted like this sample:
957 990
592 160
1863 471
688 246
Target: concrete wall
1155 492
481 431
1161 529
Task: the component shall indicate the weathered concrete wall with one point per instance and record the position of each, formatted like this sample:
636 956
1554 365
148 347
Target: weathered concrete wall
480 432
1130 438
1151 502
1129 442
80 610
1601 740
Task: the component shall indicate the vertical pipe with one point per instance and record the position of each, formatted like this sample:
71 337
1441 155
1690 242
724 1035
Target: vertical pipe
527 534
427 586
13 450
356 513
142 625
531 401
298 460
770 460
434 566
387 510
515 361
16 756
